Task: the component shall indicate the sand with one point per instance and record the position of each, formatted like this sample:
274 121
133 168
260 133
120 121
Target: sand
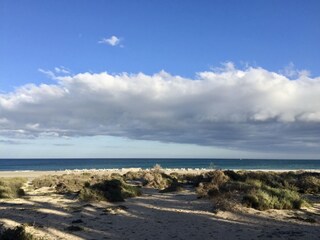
151 216
33 174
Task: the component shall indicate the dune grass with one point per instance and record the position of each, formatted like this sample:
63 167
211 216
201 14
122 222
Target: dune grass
12 187
259 190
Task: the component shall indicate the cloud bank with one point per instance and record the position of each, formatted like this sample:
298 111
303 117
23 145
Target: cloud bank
250 109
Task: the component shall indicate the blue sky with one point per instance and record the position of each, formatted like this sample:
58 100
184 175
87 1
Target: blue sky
43 41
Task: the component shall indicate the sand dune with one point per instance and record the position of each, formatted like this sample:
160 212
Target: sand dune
153 215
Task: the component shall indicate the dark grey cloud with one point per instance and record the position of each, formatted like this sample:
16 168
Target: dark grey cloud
251 109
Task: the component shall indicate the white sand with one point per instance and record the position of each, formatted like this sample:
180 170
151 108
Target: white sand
34 174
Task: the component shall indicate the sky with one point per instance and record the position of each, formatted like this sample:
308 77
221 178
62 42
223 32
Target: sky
146 78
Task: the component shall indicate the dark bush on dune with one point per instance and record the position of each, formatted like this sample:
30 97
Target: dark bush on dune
17 233
175 186
308 183
12 187
113 190
235 176
134 175
211 183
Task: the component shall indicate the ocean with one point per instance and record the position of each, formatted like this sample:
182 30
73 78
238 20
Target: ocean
93 163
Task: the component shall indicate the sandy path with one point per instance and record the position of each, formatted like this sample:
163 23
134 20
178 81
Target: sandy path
151 216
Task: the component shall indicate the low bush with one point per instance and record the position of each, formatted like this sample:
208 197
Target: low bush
157 180
212 183
68 183
110 190
224 202
259 190
273 198
309 184
175 186
12 187
134 175
45 181
17 233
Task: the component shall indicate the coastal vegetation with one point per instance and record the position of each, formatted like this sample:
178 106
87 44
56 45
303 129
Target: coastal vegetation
16 233
155 178
12 187
259 190
227 189
90 187
114 190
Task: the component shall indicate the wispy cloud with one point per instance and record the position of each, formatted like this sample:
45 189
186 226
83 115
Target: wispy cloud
48 73
62 69
57 71
290 71
250 108
112 41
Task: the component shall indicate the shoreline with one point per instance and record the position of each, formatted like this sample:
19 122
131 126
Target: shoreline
36 173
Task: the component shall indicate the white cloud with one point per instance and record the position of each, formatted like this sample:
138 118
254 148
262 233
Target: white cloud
291 72
232 108
48 73
112 41
57 71
61 70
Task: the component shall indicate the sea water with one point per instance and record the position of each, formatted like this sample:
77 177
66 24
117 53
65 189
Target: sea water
93 163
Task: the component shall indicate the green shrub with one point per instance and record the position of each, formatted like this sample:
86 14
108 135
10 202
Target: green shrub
254 183
90 195
260 190
212 183
110 190
12 187
273 198
233 186
269 178
309 184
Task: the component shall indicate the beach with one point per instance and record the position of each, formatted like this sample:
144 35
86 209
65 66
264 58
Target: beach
34 174
152 215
